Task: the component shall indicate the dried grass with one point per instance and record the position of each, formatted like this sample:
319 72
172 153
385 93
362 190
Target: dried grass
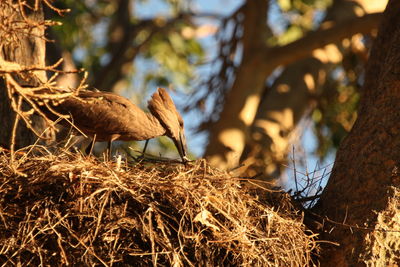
70 209
66 209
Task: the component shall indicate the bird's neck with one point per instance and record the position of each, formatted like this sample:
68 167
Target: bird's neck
153 127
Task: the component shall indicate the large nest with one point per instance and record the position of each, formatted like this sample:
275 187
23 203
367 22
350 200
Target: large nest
59 209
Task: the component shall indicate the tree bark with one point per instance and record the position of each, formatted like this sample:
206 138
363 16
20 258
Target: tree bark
365 179
26 47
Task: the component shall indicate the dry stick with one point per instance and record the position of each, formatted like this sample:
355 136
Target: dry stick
310 181
59 239
4 222
153 249
30 23
107 196
149 253
27 94
22 159
29 235
20 90
295 175
81 194
43 23
59 11
13 135
150 158
13 67
160 225
318 188
23 240
89 249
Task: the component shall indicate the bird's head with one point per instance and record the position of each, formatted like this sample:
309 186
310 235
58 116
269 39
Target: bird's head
163 108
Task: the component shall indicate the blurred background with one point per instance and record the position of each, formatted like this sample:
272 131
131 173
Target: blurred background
268 88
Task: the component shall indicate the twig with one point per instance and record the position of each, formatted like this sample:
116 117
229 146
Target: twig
14 132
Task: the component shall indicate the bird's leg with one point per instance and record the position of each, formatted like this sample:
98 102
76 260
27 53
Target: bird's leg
141 157
109 149
145 147
89 149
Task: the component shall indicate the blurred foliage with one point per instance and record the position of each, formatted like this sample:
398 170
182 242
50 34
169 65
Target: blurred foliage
336 109
303 6
89 30
176 57
85 43
300 16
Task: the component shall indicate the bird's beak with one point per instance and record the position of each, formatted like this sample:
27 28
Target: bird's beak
180 144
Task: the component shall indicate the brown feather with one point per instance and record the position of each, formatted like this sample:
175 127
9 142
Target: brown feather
112 117
163 108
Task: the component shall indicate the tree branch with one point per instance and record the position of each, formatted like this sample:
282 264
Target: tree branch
332 34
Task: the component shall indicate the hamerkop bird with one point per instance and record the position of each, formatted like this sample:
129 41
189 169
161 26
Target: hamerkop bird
105 116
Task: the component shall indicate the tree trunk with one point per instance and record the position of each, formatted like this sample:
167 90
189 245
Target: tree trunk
228 137
362 194
26 47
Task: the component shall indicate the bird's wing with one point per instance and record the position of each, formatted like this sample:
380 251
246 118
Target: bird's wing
107 115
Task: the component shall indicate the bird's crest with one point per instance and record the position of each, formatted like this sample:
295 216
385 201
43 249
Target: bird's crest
163 108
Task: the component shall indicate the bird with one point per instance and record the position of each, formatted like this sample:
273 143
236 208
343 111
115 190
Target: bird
106 116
